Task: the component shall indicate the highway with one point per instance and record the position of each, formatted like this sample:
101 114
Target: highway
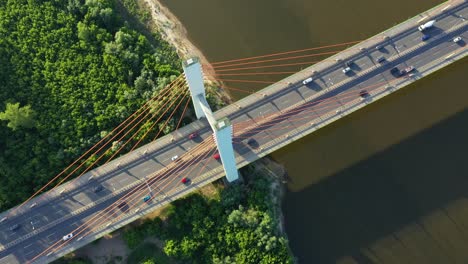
270 117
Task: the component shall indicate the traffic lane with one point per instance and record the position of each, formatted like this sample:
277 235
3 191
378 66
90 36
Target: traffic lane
385 76
72 202
101 205
44 239
286 100
433 53
403 35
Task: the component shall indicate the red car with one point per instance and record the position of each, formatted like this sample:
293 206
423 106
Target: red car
216 156
185 180
193 135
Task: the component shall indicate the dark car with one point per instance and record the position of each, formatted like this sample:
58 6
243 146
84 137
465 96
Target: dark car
123 206
395 72
364 94
380 59
97 188
349 64
252 143
193 135
14 227
425 37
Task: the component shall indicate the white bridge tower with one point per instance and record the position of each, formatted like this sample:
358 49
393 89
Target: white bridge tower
222 128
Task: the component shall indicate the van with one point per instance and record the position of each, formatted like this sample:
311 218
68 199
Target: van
308 80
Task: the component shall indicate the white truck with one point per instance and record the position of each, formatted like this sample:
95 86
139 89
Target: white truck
426 25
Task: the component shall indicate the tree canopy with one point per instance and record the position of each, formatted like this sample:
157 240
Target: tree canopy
70 70
198 229
18 116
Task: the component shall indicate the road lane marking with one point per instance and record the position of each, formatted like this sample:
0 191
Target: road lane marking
30 252
28 246
424 17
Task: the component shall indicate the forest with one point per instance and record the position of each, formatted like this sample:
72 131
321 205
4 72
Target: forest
239 225
70 71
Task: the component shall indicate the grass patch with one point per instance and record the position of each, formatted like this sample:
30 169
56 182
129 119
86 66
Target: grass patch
148 251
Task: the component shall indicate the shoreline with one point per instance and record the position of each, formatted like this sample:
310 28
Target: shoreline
173 31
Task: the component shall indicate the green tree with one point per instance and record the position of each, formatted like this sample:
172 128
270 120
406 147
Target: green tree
149 261
18 116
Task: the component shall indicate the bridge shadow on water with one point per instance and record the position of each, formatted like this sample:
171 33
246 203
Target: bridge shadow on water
406 204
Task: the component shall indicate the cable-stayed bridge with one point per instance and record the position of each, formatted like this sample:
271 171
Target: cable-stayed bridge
124 189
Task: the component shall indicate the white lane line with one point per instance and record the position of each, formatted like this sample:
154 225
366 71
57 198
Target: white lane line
424 17
450 55
28 246
30 252
49 237
123 181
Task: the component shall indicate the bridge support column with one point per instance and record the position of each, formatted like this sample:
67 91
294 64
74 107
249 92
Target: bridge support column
222 128
194 76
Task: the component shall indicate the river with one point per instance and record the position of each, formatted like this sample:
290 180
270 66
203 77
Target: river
387 184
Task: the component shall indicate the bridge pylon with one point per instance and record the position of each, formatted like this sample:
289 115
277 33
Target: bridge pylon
222 128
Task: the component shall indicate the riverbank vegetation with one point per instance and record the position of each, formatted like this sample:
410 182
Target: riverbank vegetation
238 224
70 71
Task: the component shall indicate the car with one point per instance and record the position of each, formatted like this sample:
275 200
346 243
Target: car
364 94
97 188
67 237
425 37
346 70
193 135
14 227
395 71
185 180
123 206
252 143
147 198
349 63
308 80
174 158
457 39
380 59
216 156
378 47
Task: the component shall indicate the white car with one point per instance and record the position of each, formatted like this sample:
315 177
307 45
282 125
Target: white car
174 158
346 70
65 238
308 80
457 39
